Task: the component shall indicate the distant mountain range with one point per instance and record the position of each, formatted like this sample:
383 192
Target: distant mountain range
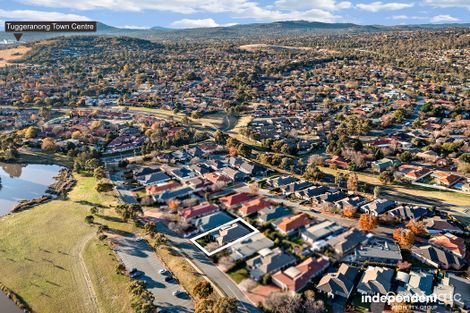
241 31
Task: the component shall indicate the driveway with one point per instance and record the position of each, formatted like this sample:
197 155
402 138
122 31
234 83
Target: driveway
136 253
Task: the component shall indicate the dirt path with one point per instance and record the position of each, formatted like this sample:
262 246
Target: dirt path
82 277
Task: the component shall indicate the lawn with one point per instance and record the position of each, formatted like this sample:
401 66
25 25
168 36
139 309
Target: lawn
52 259
239 272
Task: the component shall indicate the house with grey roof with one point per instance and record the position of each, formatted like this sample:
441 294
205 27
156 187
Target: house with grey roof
437 257
230 233
269 261
409 212
249 246
378 250
415 283
376 280
172 194
347 241
211 221
321 231
153 179
451 286
273 213
281 181
307 194
294 187
234 175
339 283
378 206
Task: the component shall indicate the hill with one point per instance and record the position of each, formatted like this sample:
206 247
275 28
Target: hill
242 31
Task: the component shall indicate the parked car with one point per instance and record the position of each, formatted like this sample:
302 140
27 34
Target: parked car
135 273
177 293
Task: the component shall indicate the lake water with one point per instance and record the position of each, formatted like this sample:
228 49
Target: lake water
24 182
7 306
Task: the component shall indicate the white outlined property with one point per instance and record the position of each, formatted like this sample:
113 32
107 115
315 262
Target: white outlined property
237 220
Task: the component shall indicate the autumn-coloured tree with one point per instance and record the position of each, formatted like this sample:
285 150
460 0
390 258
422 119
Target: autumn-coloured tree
404 237
417 227
349 211
48 144
254 188
367 222
353 182
173 205
232 151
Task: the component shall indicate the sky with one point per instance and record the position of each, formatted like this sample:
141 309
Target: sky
212 13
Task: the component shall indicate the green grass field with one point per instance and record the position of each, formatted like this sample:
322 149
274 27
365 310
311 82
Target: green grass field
52 259
408 190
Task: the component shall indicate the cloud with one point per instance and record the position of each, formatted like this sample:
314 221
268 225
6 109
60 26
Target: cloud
443 18
407 17
381 6
195 23
330 5
318 10
134 27
448 3
41 15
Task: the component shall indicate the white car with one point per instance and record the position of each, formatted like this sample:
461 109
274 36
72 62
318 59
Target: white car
162 271
177 292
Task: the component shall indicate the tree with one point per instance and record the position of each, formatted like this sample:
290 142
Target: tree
99 172
173 205
225 305
376 192
104 185
367 222
404 237
129 211
416 227
313 173
386 177
204 306
349 211
48 144
243 150
89 219
405 156
353 182
31 132
149 228
203 289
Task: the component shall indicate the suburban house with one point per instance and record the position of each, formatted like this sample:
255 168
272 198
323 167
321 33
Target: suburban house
452 285
350 202
451 243
345 242
253 206
217 178
339 283
321 231
383 164
414 283
290 224
155 189
269 261
251 169
198 211
377 207
297 277
378 250
294 187
436 225
281 181
437 257
338 161
413 172
307 194
446 179
376 280
409 212
211 221
153 179
230 233
173 194
249 246
236 200
234 175
273 213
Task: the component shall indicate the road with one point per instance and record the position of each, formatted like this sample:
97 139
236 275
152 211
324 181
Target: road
335 218
194 255
212 272
136 253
